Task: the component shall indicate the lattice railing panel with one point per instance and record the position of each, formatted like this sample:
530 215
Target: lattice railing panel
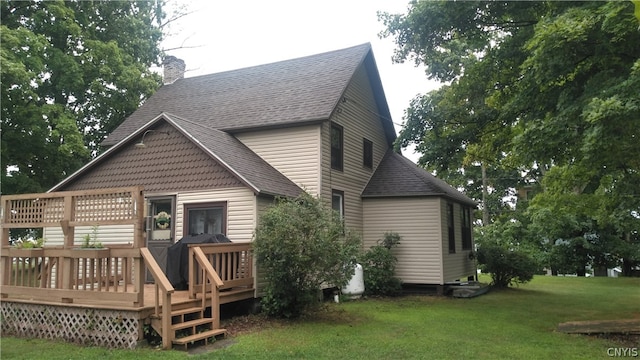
91 207
105 328
36 210
105 207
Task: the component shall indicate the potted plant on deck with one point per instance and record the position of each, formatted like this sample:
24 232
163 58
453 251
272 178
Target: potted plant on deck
91 247
28 248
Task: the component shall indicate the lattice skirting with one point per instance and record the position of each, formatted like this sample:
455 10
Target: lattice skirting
106 328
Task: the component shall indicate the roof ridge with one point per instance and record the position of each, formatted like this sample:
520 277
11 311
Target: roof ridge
274 94
272 63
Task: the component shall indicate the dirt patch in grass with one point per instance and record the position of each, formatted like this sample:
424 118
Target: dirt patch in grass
625 340
625 332
246 324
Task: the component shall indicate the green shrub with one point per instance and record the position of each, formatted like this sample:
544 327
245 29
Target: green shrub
299 246
379 265
506 266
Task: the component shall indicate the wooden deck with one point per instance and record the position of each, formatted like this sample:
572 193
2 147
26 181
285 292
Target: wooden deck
76 281
99 295
178 298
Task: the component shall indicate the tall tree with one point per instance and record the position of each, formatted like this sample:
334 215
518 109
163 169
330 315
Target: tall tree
71 71
546 92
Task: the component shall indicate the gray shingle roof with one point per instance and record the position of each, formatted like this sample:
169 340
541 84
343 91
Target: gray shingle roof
210 108
292 91
398 176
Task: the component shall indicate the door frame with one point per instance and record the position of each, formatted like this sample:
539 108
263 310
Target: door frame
157 251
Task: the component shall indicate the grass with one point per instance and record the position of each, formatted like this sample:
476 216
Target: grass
517 323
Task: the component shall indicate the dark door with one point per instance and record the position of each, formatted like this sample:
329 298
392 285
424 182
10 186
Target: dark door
160 229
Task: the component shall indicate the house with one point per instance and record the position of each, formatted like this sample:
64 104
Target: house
213 151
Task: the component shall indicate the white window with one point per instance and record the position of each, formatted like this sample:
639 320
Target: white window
208 218
337 202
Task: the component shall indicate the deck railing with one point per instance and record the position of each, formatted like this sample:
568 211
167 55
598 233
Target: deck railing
68 273
163 291
232 262
210 284
71 275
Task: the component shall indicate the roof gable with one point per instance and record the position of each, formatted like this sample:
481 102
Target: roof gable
398 176
226 150
236 156
284 93
168 162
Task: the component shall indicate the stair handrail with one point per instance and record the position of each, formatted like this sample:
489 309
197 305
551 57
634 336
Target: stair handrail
162 285
208 272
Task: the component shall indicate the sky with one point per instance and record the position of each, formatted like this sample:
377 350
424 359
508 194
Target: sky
223 35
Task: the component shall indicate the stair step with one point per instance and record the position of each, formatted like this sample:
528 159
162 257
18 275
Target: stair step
191 310
199 336
191 323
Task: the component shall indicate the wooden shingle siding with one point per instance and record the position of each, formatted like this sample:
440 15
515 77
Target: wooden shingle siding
166 163
417 220
456 266
294 151
241 207
358 122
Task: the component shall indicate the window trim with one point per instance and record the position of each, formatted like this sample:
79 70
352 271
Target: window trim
338 163
367 153
199 206
153 211
341 195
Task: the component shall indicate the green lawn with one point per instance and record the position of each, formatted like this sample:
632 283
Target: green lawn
516 323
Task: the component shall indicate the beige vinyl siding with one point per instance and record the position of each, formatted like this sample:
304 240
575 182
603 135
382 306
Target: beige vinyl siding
357 117
263 203
294 151
417 220
107 234
241 209
456 266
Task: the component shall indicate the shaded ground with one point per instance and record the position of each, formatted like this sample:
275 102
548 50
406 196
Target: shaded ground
244 324
247 324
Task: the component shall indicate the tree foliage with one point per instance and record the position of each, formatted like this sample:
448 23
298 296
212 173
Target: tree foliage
379 266
506 266
71 72
543 94
301 245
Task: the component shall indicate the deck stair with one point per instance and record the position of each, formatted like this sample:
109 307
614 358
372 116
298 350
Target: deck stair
190 324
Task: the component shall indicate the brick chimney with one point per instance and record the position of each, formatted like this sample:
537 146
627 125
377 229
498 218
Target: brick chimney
174 69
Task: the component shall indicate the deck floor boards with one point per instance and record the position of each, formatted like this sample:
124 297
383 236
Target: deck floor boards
178 297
